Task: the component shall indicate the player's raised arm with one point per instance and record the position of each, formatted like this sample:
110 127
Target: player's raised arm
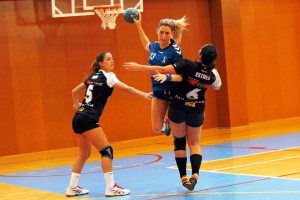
144 38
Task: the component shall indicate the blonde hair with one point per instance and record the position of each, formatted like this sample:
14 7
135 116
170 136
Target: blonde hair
177 26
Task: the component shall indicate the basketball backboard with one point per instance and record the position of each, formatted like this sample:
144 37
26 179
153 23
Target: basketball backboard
74 8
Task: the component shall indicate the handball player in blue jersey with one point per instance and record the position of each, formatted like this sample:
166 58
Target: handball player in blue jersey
163 52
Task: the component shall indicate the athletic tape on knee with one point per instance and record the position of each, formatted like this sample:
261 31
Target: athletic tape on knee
179 143
107 152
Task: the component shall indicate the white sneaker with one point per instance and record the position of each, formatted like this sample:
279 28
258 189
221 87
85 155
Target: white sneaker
166 129
116 191
71 192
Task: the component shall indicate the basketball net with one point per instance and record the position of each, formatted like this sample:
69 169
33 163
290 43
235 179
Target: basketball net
108 15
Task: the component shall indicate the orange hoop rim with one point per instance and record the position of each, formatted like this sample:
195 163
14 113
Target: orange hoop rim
105 7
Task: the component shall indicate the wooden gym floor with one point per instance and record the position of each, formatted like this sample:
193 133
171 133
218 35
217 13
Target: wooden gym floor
259 161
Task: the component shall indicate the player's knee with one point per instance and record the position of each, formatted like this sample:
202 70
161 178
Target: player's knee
107 152
194 143
179 143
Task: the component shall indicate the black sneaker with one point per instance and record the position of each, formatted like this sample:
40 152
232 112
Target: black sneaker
185 180
193 180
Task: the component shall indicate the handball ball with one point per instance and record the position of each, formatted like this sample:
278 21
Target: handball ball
130 14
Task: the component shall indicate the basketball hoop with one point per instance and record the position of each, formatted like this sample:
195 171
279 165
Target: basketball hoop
108 15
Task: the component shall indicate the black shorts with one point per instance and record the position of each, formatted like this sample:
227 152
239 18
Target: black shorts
82 123
179 113
163 95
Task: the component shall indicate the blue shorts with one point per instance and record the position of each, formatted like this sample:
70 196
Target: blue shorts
163 95
82 123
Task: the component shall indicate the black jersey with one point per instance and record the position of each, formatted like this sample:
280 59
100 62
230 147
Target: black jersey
99 88
196 79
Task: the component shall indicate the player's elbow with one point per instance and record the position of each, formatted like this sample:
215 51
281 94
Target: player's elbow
126 89
217 88
73 92
146 46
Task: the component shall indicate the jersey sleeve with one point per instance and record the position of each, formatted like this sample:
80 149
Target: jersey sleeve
177 55
85 82
217 84
111 79
151 46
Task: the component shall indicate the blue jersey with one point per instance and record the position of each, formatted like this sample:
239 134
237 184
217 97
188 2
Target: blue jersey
163 57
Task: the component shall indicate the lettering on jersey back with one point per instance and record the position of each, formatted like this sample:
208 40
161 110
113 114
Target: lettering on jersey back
202 76
178 97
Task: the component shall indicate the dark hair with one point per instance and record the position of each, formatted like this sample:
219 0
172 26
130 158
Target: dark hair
209 55
95 66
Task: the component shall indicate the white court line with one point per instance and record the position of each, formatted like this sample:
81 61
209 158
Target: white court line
169 195
253 154
217 170
54 170
240 174
256 163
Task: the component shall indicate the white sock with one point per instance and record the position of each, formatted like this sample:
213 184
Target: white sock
74 180
164 127
109 179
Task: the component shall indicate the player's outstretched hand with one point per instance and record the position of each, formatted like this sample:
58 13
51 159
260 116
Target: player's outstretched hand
148 95
131 66
159 77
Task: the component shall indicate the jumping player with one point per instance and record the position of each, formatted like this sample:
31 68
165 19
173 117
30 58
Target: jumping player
98 87
187 105
163 52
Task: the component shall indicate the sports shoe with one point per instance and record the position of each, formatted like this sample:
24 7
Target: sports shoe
116 191
193 180
185 180
71 192
166 129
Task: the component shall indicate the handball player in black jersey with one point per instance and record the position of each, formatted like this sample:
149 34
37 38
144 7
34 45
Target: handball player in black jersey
98 88
187 104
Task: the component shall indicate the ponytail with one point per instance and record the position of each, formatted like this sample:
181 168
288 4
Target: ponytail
177 27
95 67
